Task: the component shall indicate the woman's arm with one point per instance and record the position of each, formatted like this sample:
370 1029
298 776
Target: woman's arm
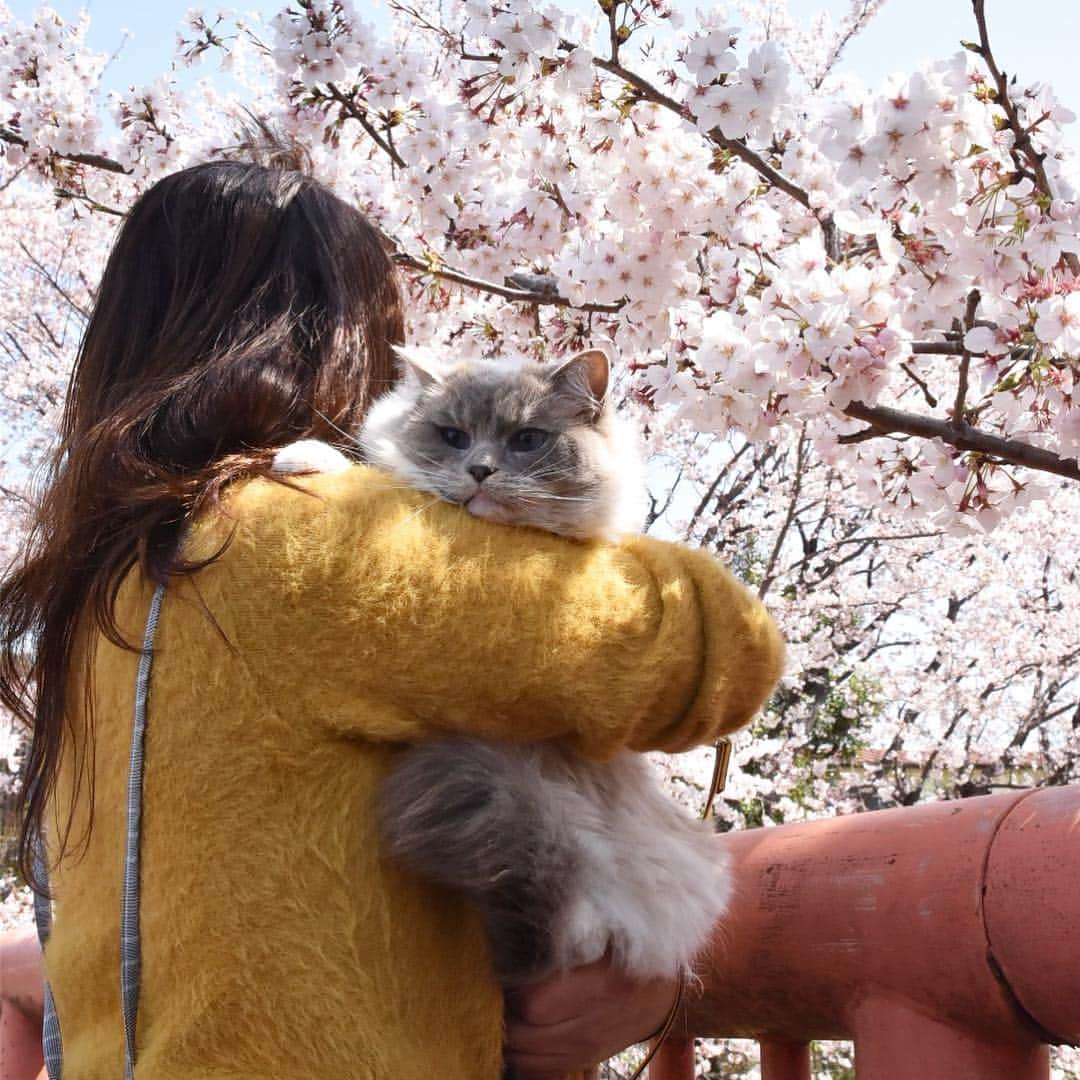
408 618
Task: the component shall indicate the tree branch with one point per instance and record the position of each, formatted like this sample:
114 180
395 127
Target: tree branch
858 22
931 400
938 348
95 161
51 279
707 497
93 204
733 146
521 296
886 421
17 496
657 511
56 344
767 576
1022 144
13 177
351 109
10 335
861 542
965 358
613 31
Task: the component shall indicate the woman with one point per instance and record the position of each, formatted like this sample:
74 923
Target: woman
308 632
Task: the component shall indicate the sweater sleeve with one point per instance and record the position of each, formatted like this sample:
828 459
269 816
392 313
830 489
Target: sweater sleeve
389 615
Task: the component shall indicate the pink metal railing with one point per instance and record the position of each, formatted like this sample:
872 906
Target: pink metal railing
942 939
20 981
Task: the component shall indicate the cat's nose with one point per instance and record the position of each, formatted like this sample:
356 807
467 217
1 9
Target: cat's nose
480 472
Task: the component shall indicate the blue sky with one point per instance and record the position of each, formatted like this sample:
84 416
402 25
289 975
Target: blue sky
1038 39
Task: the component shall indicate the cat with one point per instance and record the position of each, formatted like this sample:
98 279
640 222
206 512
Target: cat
566 858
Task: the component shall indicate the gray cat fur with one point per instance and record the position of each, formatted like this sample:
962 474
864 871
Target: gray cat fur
459 813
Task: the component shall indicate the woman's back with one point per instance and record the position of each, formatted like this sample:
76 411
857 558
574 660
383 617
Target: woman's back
275 942
342 624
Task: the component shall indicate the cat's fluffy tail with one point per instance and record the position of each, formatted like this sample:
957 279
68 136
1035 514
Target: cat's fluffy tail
470 815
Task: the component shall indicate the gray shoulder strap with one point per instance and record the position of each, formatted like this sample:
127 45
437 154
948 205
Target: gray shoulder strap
51 1046
130 953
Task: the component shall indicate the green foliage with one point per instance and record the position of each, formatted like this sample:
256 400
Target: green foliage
832 1061
753 810
837 710
840 725
746 560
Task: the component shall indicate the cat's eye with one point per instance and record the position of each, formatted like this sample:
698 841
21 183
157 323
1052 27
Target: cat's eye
528 440
456 438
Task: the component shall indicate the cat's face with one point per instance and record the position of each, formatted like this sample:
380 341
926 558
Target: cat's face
528 445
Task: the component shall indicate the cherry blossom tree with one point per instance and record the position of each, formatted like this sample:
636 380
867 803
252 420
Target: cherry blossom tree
845 318
771 248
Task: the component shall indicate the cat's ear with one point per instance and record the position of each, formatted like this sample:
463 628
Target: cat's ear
417 365
585 377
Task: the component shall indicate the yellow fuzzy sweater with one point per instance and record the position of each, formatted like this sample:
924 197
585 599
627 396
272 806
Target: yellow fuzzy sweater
343 622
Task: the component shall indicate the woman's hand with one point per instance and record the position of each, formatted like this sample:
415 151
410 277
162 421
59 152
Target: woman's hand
582 1017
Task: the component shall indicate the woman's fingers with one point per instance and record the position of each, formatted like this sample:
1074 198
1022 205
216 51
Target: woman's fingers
580 1017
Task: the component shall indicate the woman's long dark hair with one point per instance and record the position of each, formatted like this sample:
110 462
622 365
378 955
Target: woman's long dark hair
242 308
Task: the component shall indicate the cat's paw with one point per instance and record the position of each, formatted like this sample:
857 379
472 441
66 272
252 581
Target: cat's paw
309 456
585 933
655 931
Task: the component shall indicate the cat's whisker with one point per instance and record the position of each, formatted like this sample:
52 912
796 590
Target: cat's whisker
424 506
544 476
428 458
351 440
348 449
540 461
412 488
418 483
538 466
548 496
418 475
421 476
